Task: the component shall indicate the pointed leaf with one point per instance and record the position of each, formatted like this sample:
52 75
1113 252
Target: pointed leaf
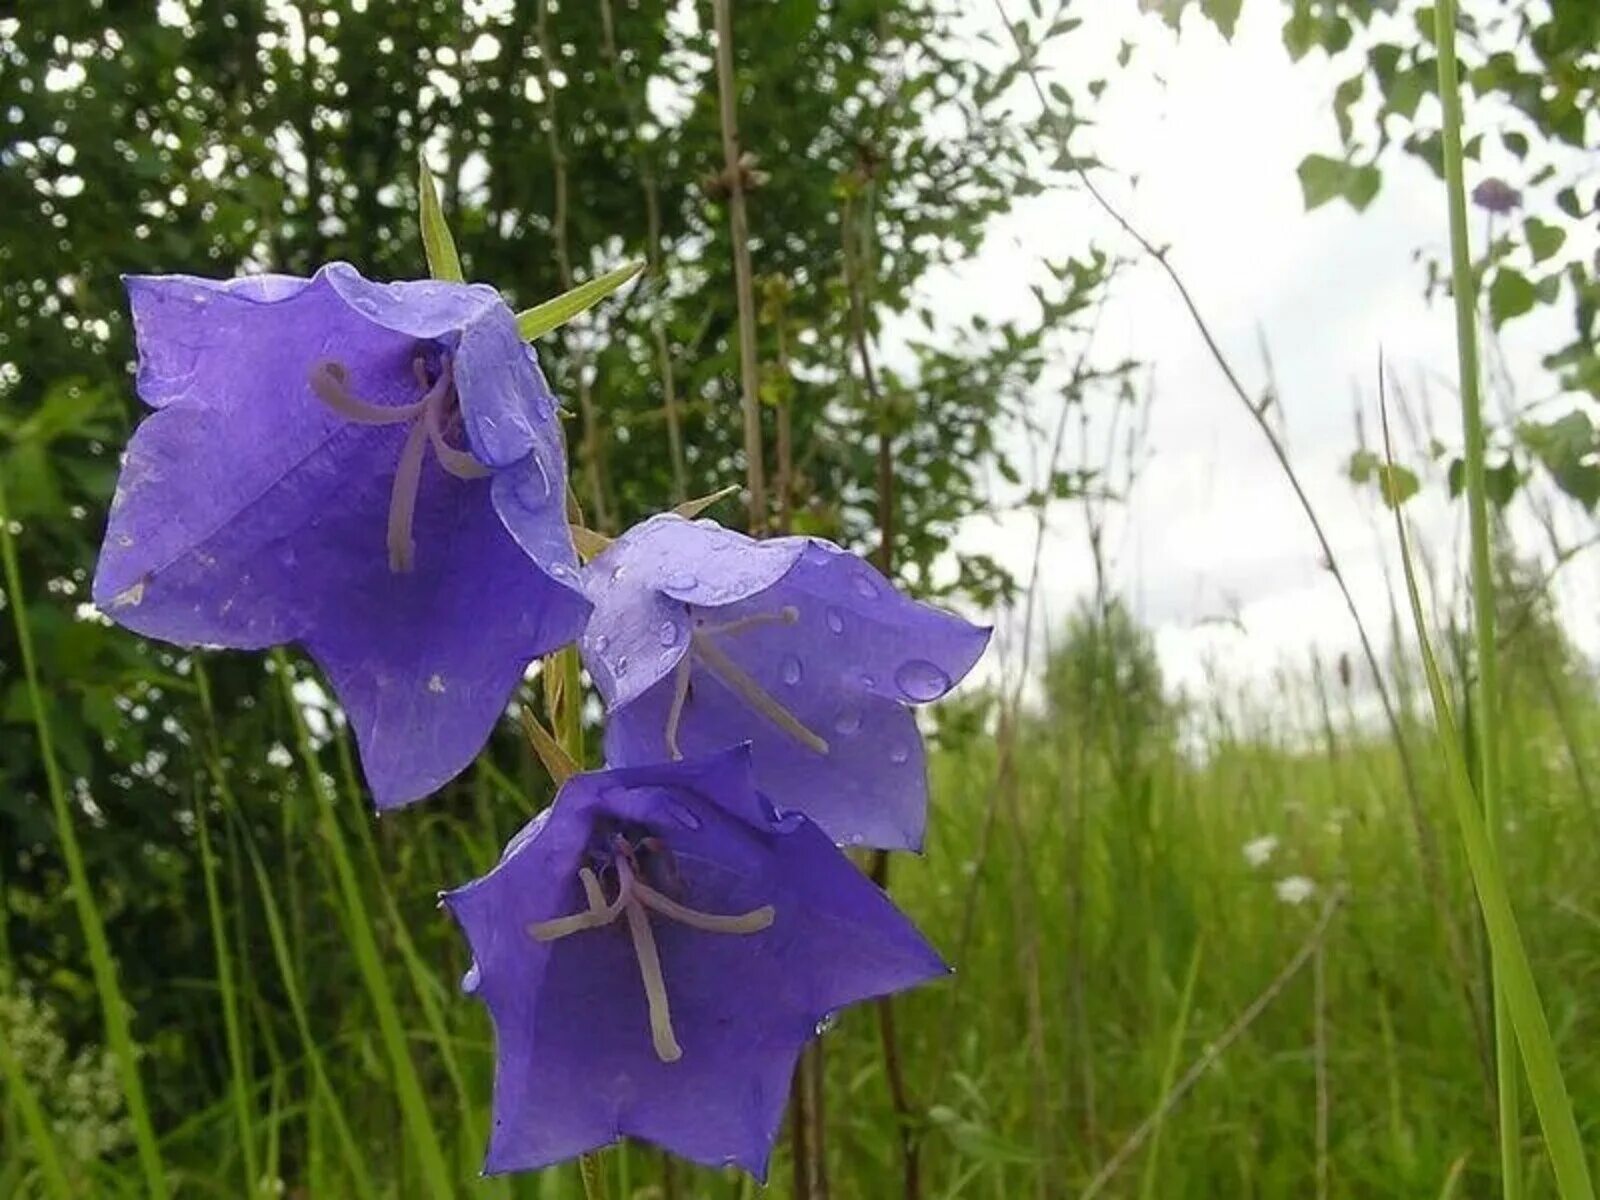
556 760
588 542
440 247
693 508
539 320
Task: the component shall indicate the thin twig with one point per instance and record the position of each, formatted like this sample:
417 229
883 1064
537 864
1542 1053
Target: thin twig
1217 1049
652 252
739 234
1319 1035
1258 413
590 445
1427 845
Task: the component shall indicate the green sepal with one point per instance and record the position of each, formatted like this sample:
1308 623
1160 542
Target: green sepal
443 261
539 320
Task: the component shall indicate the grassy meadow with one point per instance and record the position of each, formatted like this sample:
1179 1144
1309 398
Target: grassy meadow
1087 872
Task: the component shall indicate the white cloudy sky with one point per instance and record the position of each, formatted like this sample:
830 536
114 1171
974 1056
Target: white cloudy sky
1213 132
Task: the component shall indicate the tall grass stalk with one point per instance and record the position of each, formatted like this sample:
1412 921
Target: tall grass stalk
113 1007
1513 972
322 1087
238 1067
1169 1072
364 942
1487 693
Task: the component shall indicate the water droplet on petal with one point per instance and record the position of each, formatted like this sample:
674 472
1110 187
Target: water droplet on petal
617 572
898 754
620 667
544 481
792 670
848 721
668 633
868 682
921 680
835 620
600 641
681 581
865 587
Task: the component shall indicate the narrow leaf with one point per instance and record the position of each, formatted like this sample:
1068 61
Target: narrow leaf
693 508
1513 972
588 542
556 760
443 262
539 320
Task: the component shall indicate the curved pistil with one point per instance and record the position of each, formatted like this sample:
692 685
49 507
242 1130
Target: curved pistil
438 406
709 654
634 897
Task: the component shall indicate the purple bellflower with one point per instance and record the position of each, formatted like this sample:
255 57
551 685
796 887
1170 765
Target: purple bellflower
1497 196
703 638
303 480
654 950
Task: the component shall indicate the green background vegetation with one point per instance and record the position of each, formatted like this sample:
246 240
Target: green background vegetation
290 986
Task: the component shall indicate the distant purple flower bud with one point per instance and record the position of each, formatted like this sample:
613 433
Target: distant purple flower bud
703 638
304 480
1496 196
654 951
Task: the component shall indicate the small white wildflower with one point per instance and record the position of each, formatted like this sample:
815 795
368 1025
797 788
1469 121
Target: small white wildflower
1258 850
1294 889
278 756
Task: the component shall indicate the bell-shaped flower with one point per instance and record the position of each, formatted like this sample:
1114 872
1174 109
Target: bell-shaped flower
654 950
702 638
374 471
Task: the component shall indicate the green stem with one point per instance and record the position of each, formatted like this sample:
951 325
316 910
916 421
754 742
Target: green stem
594 1184
113 1006
1507 1080
1514 973
239 1076
359 926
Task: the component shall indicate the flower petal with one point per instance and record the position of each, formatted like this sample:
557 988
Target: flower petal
575 1064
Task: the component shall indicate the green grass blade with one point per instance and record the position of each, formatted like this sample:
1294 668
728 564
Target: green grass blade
539 320
1483 604
232 1029
440 247
1512 969
424 983
364 942
113 1007
1169 1072
41 1139
360 1175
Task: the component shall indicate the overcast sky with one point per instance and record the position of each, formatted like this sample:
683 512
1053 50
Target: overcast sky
1213 133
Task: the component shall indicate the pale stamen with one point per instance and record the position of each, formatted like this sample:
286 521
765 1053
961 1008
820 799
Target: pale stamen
598 913
458 462
680 694
633 899
753 921
655 986
787 615
403 500
329 380
752 693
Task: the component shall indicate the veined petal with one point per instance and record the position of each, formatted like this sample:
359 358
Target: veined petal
250 513
575 1064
